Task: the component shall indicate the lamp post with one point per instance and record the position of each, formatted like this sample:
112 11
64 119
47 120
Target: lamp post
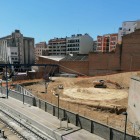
56 94
125 113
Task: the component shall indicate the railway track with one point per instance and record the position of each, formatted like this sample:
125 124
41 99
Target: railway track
21 128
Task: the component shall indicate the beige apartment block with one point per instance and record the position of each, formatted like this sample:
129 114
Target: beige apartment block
39 47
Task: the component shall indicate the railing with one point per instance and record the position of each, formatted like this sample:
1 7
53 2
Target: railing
56 45
23 90
57 51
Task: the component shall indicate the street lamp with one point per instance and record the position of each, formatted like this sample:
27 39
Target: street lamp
56 94
125 113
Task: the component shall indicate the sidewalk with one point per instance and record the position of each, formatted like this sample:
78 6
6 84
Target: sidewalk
47 122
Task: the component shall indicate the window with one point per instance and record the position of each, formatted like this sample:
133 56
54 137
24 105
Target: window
12 52
124 29
124 24
12 58
15 58
15 52
112 47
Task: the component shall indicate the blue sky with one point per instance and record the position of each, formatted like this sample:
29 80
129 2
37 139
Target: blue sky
46 19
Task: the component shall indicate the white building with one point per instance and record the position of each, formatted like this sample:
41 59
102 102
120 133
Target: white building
12 53
127 28
137 25
81 44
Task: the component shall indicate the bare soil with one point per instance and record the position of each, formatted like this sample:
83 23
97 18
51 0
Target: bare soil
81 90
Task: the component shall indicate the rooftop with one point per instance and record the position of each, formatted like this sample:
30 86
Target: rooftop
56 58
40 43
75 58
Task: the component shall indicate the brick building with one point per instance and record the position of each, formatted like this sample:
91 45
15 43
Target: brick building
106 43
38 49
130 57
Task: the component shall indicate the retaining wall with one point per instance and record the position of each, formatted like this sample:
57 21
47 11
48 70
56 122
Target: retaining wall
92 126
134 100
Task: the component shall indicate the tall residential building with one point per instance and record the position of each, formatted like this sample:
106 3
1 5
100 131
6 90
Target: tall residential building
127 28
80 44
16 48
38 49
95 46
57 47
107 43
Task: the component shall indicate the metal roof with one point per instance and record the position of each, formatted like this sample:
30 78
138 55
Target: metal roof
56 58
75 58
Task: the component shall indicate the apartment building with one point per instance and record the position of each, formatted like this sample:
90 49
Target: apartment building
80 44
57 47
16 48
107 43
94 46
137 25
127 28
39 47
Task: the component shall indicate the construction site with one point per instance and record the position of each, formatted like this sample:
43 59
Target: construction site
92 92
102 98
80 95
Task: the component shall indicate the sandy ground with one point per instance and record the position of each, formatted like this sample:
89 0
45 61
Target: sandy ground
82 90
96 94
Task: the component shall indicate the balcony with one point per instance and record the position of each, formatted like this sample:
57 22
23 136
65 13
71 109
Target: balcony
63 48
73 41
72 50
56 45
57 51
73 46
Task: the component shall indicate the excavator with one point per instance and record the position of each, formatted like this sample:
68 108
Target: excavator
101 84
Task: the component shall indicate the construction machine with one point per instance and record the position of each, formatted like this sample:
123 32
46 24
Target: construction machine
101 82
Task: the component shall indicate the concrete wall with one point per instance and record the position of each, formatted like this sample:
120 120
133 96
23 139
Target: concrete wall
92 126
134 100
86 44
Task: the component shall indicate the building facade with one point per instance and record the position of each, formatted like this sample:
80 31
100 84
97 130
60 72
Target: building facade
16 48
137 25
107 43
57 47
39 47
127 28
95 46
80 44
